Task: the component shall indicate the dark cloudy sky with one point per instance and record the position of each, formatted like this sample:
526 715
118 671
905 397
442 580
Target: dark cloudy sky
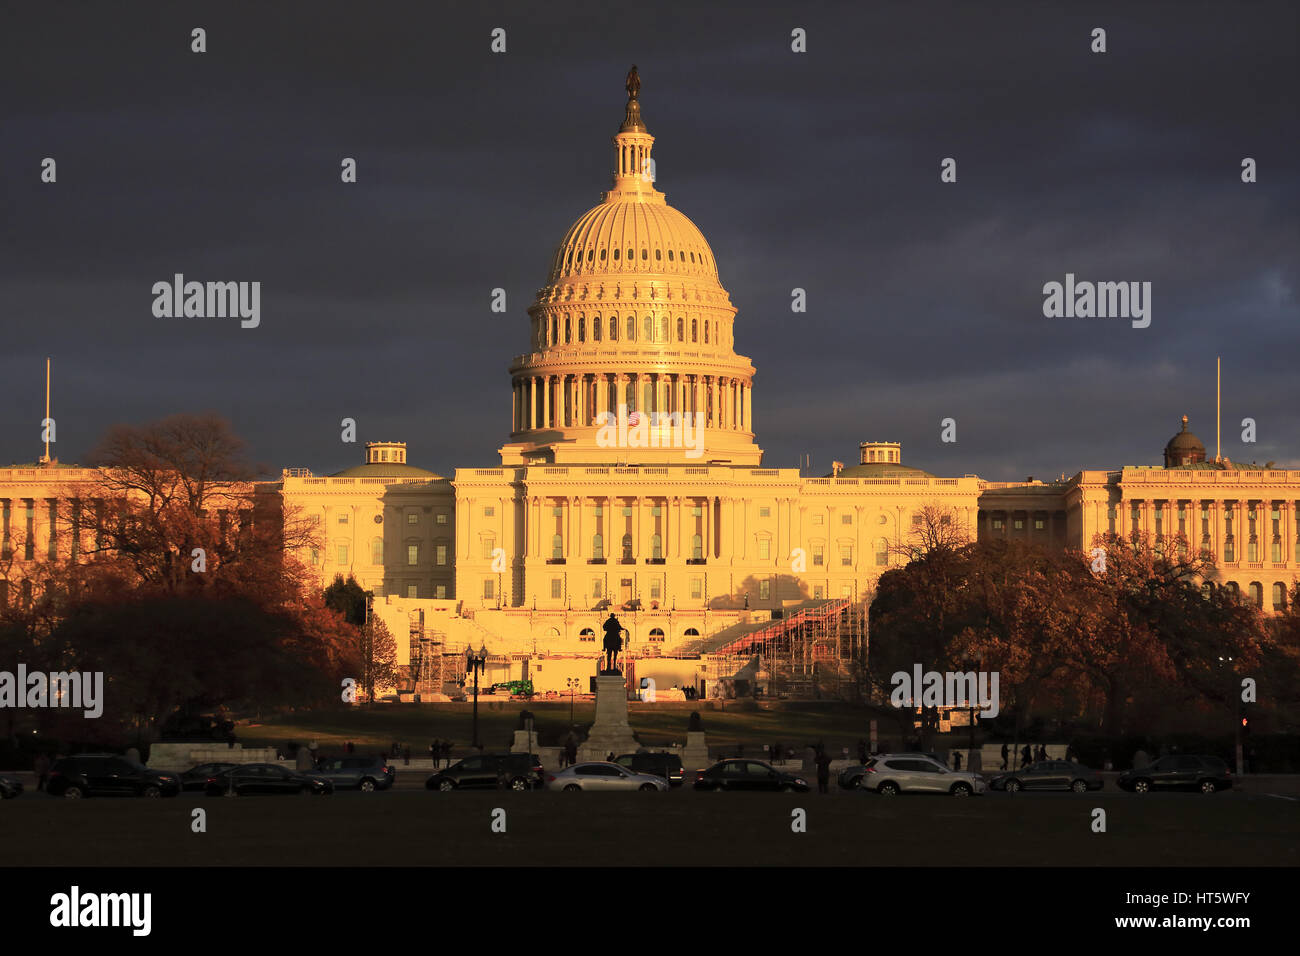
818 170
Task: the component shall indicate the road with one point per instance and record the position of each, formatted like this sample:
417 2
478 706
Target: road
412 826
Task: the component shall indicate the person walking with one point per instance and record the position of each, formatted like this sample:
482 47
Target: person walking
956 760
823 761
446 752
1026 757
433 754
1005 754
41 765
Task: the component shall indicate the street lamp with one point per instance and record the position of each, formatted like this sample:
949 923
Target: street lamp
573 683
475 661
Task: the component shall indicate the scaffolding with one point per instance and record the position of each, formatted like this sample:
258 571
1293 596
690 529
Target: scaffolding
819 649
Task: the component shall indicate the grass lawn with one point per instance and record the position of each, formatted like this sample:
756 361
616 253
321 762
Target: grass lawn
792 724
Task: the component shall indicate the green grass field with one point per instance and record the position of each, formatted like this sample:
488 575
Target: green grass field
728 723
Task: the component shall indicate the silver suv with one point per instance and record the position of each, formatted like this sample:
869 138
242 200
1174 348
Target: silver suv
889 774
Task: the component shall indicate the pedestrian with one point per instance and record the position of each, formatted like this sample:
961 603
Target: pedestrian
1140 759
433 753
956 760
823 760
348 747
406 756
42 767
1042 751
1005 753
862 751
1026 757
446 751
609 757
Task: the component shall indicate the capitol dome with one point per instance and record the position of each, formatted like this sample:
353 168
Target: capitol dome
1184 449
632 319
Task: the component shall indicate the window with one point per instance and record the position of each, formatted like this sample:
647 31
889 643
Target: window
631 328
557 512
846 590
764 549
819 555
1039 524
765 590
412 518
697 512
648 329
654 590
765 512
695 330
598 547
442 517
377 551
697 547
627 512
595 329
343 517
657 634
846 519
627 547
557 587
596 588
697 588
997 524
1279 596
819 519
441 553
342 553
681 330
489 545
412 554
587 634
613 328
656 546
489 511
818 592
882 552
1020 524
413 590
440 592
315 556
557 546
489 589
846 555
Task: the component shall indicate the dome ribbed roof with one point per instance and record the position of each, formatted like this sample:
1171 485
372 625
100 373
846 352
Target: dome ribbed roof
630 238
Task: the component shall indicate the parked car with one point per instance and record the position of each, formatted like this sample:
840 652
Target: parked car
248 779
850 778
1179 772
108 775
490 771
668 766
10 786
890 774
1048 775
600 775
196 778
357 773
747 775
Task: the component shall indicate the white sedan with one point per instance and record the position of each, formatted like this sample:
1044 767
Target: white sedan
603 776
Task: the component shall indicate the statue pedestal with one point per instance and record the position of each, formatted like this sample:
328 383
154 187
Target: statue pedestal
611 732
695 755
523 741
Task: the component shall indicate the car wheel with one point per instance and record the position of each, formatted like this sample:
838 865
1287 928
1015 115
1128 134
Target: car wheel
571 788
887 789
74 793
1079 786
1141 786
368 785
519 783
445 785
151 792
1207 786
855 783
647 786
960 790
1012 786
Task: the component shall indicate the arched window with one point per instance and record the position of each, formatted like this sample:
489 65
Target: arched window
658 255
656 546
1234 590
1256 594
590 254
557 546
630 255
613 328
692 255
657 634
582 329
554 332
629 397
377 551
697 547
882 552
616 255
648 391
681 330
595 329
645 254
706 333
568 337
1279 596
587 634
663 328
598 546
648 329
670 255
695 330
602 255
691 632
627 547
631 328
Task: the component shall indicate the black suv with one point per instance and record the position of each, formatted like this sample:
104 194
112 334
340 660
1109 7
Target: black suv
109 775
668 766
490 772
1179 772
356 773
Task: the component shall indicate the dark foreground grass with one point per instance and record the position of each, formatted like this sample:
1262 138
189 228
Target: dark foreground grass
376 728
419 828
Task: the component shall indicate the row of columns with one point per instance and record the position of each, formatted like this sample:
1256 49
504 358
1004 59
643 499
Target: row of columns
577 525
564 401
1219 513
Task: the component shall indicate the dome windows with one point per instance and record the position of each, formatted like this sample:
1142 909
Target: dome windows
695 330
602 255
692 258
681 330
681 256
645 254
630 255
616 255
670 255
591 254
658 255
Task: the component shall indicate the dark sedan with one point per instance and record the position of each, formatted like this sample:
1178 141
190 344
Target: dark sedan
10 786
748 775
1179 772
196 778
367 774
1048 775
265 778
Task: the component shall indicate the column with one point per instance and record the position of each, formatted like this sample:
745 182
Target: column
681 505
1220 515
546 402
713 397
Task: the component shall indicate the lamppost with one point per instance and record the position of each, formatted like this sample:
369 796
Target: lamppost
475 661
573 683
